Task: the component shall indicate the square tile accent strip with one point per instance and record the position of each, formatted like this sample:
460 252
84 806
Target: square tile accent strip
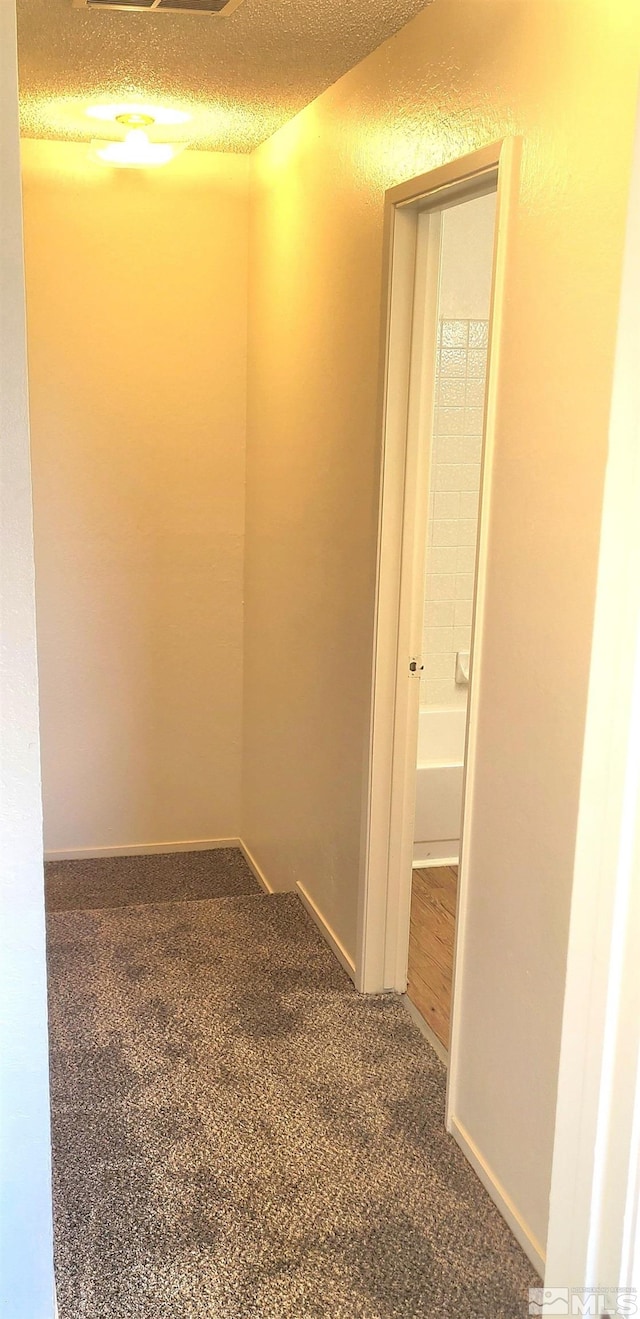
458 425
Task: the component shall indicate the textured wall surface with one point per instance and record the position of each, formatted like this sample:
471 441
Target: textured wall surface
26 1252
462 74
136 302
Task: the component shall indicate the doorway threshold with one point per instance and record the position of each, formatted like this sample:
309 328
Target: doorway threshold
425 1029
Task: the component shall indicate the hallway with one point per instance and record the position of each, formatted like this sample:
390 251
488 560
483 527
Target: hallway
236 1132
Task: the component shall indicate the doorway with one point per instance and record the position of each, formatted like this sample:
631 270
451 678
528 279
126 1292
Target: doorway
413 219
413 231
451 437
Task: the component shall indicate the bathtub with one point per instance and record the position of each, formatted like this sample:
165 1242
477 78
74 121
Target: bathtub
439 787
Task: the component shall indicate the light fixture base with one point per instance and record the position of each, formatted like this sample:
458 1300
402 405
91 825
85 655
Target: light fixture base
134 119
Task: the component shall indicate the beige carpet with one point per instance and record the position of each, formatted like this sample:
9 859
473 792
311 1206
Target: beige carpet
238 1135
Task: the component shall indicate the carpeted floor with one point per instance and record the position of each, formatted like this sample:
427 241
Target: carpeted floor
119 881
238 1135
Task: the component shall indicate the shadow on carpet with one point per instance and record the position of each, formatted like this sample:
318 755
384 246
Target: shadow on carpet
238 1135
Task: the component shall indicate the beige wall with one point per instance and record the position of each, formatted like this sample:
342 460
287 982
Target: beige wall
137 289
462 74
26 1246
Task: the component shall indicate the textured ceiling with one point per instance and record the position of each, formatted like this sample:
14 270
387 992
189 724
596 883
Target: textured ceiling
240 77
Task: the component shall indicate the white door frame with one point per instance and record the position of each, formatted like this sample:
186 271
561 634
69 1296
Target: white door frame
385 887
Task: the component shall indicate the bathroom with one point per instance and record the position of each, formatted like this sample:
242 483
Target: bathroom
455 470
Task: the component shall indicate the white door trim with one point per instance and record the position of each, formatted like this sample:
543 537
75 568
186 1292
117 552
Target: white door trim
411 503
594 1227
385 887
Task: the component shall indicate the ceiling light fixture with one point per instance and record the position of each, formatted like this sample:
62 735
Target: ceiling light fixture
136 151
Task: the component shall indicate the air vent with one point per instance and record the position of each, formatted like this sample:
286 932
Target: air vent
219 7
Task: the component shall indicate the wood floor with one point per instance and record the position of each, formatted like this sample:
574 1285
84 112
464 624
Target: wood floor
431 942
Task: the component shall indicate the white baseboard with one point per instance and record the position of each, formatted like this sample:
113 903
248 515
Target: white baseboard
531 1246
141 849
253 865
430 863
325 929
425 1029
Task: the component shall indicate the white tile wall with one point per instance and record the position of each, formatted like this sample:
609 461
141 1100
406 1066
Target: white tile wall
461 362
